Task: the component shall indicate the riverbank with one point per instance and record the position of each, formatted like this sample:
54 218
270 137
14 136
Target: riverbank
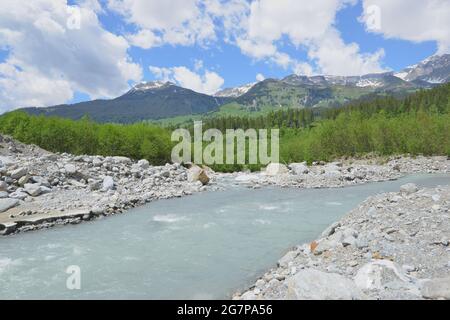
392 246
39 189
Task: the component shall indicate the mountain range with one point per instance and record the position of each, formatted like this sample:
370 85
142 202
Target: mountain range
160 100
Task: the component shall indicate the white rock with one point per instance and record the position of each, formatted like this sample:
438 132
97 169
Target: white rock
408 188
311 284
3 186
288 257
33 189
299 168
436 289
274 169
372 275
108 183
6 204
70 169
143 164
18 173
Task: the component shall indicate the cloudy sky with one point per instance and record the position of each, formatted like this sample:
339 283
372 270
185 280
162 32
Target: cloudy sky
58 51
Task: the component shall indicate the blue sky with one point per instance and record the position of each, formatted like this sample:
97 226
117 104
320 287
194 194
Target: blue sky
203 45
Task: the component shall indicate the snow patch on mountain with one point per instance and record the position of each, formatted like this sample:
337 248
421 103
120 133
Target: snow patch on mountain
234 92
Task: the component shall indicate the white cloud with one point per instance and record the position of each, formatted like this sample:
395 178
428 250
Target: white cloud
260 77
306 25
209 82
412 20
48 61
176 22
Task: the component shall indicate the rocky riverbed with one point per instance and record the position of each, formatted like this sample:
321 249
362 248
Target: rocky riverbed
392 246
40 189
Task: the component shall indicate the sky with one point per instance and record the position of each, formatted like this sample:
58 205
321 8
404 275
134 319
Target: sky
58 51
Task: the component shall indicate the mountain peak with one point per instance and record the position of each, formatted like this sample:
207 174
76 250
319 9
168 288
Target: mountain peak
434 70
151 85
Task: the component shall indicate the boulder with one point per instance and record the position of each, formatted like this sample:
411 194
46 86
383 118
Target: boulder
33 189
195 173
3 186
143 164
312 284
6 204
299 168
108 183
18 173
409 188
70 169
436 289
377 274
4 194
288 257
18 195
122 160
274 169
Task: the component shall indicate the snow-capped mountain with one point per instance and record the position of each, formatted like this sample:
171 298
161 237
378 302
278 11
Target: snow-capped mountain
234 92
434 70
159 99
151 85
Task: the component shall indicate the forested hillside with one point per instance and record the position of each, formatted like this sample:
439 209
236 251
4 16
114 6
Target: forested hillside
418 124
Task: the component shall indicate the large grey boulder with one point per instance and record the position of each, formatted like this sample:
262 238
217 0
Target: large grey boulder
121 160
18 173
275 169
6 204
143 164
70 169
436 289
195 173
3 186
108 183
381 274
299 168
408 188
312 284
33 189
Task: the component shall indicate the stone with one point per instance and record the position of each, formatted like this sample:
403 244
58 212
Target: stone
436 289
195 173
33 189
108 183
299 168
70 169
409 188
325 245
374 275
6 204
18 173
97 162
312 284
143 164
274 169
122 160
3 194
331 229
18 195
288 257
3 186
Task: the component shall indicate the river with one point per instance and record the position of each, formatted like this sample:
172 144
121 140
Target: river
204 246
